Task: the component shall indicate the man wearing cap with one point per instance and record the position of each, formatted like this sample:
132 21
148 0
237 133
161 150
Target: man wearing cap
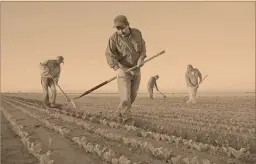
192 75
49 76
151 85
126 49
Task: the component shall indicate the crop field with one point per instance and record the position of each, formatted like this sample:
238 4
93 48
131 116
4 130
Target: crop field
217 130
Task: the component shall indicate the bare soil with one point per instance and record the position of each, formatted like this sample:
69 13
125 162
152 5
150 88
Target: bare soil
12 149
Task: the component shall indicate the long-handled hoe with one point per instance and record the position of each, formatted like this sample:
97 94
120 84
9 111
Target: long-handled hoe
164 96
70 103
113 78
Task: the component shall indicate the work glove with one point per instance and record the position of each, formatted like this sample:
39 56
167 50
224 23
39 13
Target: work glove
140 62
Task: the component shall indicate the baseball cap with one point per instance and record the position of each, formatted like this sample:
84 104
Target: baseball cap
120 20
61 58
189 66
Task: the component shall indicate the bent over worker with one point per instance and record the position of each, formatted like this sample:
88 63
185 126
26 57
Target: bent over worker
192 75
126 49
151 84
49 76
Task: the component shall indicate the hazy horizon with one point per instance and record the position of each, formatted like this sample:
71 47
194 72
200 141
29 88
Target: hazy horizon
218 38
95 92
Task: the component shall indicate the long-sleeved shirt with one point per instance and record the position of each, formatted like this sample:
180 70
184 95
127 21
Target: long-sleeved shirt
53 67
125 51
152 81
192 77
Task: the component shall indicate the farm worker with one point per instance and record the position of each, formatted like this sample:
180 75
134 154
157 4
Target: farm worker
151 85
125 49
192 75
49 76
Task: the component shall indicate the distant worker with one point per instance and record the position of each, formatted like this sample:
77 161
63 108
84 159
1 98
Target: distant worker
151 84
49 76
126 49
192 75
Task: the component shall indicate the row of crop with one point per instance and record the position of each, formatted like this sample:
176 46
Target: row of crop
202 134
162 111
33 148
241 124
106 154
160 153
186 130
191 121
214 118
218 128
172 139
197 133
244 121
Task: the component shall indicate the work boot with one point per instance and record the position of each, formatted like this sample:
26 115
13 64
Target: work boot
127 115
53 105
130 122
118 118
46 105
128 118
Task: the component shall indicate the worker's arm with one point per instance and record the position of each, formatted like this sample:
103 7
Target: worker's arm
199 75
56 75
56 78
188 81
156 86
143 48
142 57
44 66
111 53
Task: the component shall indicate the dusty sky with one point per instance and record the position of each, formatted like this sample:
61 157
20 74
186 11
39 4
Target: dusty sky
216 37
